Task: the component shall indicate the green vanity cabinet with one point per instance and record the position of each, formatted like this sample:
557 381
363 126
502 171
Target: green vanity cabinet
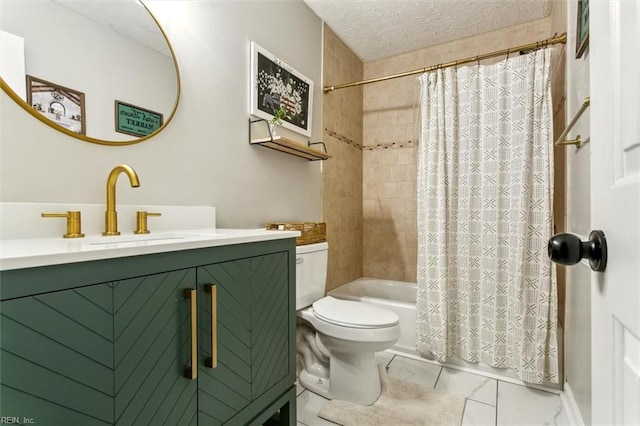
57 357
253 350
101 354
109 342
151 350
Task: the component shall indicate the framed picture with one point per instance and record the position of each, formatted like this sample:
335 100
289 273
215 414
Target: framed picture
276 85
136 121
59 104
582 28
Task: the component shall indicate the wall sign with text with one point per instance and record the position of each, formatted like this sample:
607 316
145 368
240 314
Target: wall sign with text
136 121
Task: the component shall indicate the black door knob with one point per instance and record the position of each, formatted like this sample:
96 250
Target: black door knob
567 249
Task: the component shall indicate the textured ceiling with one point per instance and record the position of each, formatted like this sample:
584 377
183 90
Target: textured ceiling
376 29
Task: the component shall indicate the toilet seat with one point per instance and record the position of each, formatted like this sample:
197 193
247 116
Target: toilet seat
371 334
349 313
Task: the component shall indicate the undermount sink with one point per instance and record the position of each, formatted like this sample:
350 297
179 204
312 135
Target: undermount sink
145 239
130 239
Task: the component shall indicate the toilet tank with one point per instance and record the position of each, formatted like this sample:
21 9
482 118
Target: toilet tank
311 273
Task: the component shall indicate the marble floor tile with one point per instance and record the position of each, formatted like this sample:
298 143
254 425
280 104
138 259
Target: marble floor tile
414 371
515 405
520 405
308 406
478 414
471 386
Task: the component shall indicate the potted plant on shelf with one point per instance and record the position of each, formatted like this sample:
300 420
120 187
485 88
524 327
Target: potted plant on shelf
278 115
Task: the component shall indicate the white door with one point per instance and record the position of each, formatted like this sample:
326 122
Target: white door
614 62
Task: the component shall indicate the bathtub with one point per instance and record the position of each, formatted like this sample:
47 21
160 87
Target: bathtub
400 297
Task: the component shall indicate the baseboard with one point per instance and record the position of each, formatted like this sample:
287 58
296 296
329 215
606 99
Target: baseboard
570 406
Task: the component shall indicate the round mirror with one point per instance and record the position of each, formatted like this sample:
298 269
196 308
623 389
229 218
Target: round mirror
100 71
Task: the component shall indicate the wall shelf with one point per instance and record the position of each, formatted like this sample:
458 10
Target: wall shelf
282 144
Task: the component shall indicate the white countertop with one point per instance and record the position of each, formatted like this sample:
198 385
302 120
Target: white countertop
33 252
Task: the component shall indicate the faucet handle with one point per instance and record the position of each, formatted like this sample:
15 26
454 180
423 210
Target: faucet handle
74 226
141 221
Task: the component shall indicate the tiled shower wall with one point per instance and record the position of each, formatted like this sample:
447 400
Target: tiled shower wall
390 135
342 174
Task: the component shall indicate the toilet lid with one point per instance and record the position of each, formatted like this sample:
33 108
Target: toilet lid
350 313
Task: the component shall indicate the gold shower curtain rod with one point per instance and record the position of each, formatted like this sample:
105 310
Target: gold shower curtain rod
537 45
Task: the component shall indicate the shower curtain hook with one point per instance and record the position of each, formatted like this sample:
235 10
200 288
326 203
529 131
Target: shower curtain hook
508 52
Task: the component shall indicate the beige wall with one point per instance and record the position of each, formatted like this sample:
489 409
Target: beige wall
342 174
203 157
578 221
391 117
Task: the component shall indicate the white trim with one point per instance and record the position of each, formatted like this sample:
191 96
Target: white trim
570 406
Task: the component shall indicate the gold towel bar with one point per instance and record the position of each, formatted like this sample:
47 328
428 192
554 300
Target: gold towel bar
577 140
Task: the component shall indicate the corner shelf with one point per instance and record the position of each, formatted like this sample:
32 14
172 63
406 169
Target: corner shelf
280 143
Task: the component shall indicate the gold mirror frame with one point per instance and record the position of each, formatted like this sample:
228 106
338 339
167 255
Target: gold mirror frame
13 95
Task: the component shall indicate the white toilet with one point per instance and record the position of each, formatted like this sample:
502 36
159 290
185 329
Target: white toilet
337 339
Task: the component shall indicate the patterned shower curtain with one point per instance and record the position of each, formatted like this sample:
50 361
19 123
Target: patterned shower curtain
486 288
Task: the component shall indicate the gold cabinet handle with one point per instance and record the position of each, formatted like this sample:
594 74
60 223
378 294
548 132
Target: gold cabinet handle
74 225
212 361
192 372
141 222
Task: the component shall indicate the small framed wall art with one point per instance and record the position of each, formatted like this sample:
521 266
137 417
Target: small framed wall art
136 121
582 28
275 86
62 105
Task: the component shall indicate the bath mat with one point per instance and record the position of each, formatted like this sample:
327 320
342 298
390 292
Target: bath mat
401 403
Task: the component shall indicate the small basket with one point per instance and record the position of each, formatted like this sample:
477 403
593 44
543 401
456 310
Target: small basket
312 232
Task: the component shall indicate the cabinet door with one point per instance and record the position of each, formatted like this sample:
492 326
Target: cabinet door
152 340
269 322
226 389
57 357
104 354
252 334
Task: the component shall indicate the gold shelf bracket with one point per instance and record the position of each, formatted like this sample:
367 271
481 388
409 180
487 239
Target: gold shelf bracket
283 144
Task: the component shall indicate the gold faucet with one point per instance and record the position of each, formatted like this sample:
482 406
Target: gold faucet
111 215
